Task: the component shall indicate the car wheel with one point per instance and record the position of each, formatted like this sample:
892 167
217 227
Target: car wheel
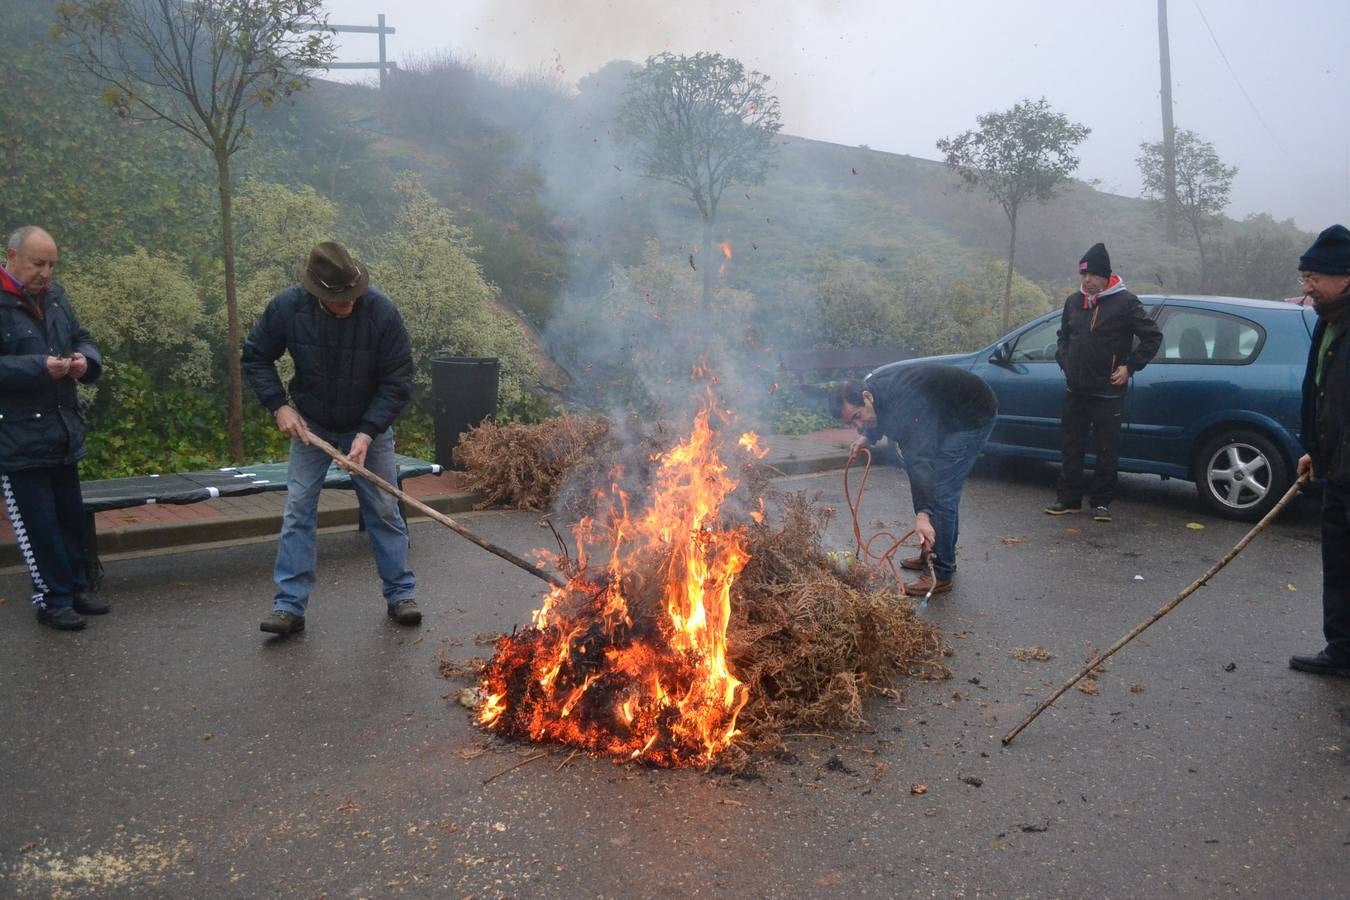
1241 474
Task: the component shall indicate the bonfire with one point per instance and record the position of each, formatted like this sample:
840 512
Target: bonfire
688 624
630 656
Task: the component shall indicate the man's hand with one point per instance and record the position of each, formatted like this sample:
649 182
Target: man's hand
1120 375
292 424
78 366
859 444
923 526
360 444
1305 468
57 367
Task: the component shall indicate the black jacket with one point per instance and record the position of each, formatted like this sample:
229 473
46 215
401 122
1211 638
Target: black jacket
1326 410
351 374
41 420
919 405
1095 338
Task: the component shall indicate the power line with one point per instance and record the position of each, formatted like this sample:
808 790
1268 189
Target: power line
1270 131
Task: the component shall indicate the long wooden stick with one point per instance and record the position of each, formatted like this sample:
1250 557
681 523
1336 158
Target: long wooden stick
445 520
1168 607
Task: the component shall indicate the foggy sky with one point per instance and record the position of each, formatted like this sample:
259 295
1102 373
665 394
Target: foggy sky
897 75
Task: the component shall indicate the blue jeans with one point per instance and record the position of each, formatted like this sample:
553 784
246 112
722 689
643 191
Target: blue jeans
957 453
297 554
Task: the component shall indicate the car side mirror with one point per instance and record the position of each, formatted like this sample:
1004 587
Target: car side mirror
1002 354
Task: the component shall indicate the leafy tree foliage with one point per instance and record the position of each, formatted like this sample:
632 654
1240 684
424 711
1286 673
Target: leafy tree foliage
278 227
426 265
1258 261
1204 184
201 67
964 317
1022 154
702 123
155 408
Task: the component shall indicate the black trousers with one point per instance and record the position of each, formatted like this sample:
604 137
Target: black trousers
1099 416
1336 569
47 512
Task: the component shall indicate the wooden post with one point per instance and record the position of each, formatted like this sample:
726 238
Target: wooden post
382 57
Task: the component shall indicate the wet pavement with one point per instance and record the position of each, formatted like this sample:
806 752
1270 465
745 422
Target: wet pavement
173 750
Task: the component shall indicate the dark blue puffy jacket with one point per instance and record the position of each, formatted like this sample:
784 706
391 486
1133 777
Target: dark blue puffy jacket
41 420
351 374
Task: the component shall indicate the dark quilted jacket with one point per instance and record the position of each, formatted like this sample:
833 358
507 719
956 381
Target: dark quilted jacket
41 422
1326 408
352 374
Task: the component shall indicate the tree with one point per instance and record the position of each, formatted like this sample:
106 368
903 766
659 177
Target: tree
201 66
1022 154
703 123
1204 184
427 264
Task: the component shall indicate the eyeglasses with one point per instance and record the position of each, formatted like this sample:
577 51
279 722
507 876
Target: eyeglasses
336 288
1308 279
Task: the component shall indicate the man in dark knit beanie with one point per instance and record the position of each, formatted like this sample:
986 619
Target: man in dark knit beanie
1098 355
1325 269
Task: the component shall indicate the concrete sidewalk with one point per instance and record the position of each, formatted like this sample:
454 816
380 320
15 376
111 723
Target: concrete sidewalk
165 527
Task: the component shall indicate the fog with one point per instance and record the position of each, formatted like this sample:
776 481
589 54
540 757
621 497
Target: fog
1267 83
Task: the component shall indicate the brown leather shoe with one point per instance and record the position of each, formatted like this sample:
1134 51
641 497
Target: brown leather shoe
915 563
919 587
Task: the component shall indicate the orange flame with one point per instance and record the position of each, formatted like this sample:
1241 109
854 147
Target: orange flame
629 658
726 249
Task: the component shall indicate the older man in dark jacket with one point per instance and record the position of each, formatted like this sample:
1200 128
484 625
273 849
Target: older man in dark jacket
353 378
1098 354
1325 269
44 351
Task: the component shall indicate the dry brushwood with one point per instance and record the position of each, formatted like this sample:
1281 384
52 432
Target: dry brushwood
809 641
556 464
523 466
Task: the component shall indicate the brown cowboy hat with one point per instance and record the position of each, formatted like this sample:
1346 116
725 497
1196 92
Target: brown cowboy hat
331 274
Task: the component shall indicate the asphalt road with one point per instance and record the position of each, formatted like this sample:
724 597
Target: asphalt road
172 750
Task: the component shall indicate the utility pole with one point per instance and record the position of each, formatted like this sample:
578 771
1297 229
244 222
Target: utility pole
1169 131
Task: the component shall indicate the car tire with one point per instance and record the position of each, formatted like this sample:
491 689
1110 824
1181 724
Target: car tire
1240 474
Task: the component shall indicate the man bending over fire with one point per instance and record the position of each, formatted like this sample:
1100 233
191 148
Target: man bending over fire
939 418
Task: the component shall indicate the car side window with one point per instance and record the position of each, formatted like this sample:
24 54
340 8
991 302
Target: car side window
1037 344
1207 337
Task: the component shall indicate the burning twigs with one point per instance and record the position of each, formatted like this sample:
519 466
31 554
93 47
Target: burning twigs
629 656
445 520
1094 664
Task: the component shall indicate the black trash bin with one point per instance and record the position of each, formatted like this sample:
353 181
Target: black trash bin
464 393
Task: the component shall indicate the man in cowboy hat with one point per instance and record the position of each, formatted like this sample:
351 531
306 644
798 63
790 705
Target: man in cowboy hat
353 378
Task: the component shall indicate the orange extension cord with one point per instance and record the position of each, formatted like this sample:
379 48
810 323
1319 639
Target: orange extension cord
865 553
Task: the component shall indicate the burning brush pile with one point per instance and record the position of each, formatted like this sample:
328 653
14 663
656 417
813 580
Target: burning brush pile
688 622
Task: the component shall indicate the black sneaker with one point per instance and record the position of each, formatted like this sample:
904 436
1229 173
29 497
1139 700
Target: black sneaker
63 619
91 606
405 612
1060 509
279 622
1101 514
